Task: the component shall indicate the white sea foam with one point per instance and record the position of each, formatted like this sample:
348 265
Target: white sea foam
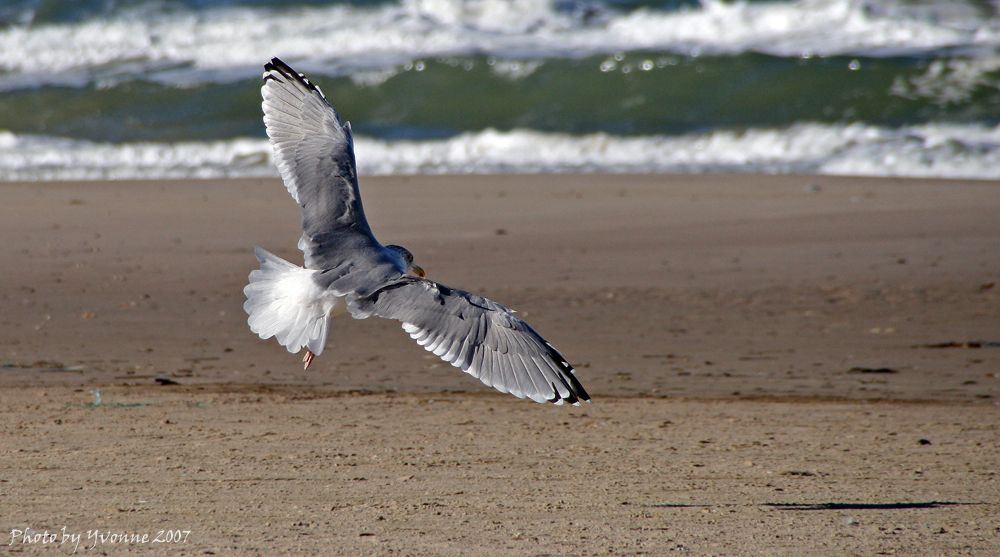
933 150
224 44
950 82
48 158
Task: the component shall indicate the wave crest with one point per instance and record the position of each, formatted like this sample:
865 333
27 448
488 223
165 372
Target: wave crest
932 150
225 44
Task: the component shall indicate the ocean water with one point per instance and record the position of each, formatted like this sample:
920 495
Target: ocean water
97 89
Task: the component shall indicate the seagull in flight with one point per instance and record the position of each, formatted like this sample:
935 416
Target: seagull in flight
348 271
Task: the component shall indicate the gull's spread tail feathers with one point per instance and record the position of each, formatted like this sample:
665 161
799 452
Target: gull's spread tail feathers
285 302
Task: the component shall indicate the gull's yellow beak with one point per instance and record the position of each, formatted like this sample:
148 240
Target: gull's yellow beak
417 271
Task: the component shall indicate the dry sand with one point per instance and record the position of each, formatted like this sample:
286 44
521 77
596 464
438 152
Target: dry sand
780 365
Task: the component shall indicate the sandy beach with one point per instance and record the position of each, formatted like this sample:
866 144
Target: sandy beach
780 365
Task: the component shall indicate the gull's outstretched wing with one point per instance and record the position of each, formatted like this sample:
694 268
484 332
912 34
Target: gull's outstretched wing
479 336
314 152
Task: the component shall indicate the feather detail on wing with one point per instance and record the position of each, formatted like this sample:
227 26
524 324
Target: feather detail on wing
478 336
314 152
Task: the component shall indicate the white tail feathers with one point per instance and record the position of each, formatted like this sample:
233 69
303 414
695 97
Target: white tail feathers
284 302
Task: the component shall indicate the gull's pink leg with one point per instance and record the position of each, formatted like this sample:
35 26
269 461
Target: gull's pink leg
308 359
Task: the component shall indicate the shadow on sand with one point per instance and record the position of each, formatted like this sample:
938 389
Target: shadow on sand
832 506
862 506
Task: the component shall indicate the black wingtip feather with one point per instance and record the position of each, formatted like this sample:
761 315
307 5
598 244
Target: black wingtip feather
276 65
572 384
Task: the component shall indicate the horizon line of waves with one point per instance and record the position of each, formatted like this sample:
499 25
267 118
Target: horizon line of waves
231 43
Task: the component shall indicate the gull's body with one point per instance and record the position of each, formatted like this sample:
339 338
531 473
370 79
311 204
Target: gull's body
348 271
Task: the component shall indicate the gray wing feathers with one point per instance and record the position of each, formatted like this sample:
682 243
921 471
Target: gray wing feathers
479 336
313 151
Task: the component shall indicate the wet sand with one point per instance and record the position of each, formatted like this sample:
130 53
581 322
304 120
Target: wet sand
779 365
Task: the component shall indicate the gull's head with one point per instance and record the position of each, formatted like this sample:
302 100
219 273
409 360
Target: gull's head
407 258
